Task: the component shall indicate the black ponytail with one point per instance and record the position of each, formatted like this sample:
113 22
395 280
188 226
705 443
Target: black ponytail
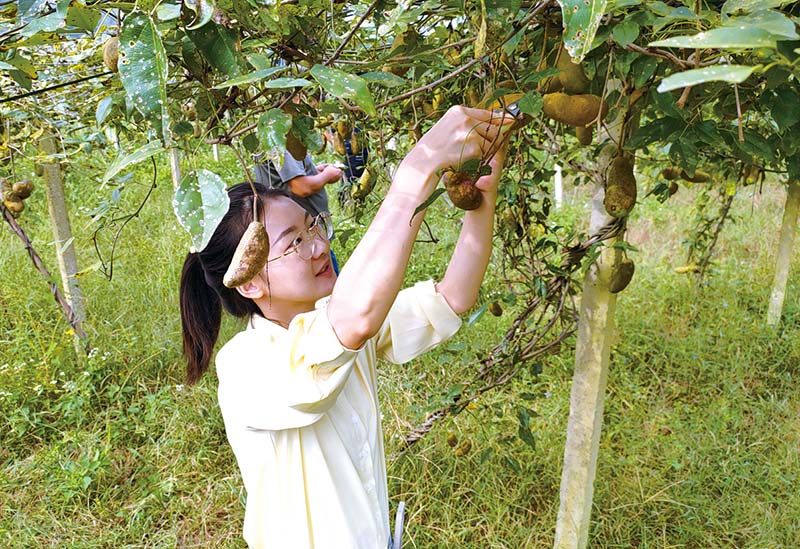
202 294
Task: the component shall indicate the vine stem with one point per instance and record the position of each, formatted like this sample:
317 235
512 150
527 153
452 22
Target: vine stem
427 87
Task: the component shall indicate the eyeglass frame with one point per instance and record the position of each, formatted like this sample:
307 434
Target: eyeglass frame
311 232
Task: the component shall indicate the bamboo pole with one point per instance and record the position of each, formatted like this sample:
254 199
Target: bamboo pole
62 232
784 257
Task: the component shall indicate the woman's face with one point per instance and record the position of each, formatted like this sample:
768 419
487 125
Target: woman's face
290 283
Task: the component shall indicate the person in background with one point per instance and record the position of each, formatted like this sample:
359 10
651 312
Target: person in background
304 180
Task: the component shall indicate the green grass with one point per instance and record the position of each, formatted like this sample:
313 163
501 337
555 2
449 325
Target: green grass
700 432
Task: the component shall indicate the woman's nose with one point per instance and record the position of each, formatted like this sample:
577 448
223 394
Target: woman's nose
321 245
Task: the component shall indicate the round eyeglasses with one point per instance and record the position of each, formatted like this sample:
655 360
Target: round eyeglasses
305 240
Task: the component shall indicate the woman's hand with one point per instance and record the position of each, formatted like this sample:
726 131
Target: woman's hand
488 183
462 134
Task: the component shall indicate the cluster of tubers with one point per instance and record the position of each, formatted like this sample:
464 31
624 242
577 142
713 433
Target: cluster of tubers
15 194
566 98
672 173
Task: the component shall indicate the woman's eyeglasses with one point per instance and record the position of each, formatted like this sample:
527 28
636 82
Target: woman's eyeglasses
305 240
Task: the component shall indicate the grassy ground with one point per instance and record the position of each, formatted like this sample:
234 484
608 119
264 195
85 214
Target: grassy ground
700 434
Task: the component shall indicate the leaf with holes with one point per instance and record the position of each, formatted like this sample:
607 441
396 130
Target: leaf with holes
345 86
273 126
581 20
200 203
143 70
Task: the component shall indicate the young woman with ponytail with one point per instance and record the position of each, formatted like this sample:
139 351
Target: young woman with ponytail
297 387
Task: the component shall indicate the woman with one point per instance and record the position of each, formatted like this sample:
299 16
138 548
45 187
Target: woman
297 388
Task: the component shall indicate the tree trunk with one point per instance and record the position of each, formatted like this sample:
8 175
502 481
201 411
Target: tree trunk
784 259
62 234
592 352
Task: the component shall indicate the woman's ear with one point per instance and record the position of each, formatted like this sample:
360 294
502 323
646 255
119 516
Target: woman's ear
253 289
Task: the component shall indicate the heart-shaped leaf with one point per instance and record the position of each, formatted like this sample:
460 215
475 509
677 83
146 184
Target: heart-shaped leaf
200 204
345 86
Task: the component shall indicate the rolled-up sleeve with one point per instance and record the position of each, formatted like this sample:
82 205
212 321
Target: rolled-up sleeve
419 319
289 383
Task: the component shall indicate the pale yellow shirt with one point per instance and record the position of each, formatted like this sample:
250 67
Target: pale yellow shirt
302 416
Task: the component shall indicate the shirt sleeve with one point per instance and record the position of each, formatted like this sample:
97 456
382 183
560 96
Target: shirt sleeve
419 319
288 384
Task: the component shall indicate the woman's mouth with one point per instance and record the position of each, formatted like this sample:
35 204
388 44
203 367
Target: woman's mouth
325 270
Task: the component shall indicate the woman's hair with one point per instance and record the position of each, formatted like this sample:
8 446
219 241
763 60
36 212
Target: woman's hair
202 293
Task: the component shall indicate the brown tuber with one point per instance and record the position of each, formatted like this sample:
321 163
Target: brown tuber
621 276
573 79
462 190
364 185
15 206
111 53
22 189
620 195
296 147
250 256
584 135
698 177
574 110
671 173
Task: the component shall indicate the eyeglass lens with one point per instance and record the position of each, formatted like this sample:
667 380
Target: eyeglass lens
321 227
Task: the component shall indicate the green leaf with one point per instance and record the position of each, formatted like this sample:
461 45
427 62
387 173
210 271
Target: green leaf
103 108
474 317
345 86
200 204
581 19
383 78
168 12
6 66
625 32
303 128
143 70
255 76
771 21
218 46
755 145
526 436
280 83
721 38
122 162
732 7
83 18
184 127
47 23
725 73
273 126
434 195
531 103
203 12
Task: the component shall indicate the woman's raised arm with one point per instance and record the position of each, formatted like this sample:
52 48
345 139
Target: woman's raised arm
369 282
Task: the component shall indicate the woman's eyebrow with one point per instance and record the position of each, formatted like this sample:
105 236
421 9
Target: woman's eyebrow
291 229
